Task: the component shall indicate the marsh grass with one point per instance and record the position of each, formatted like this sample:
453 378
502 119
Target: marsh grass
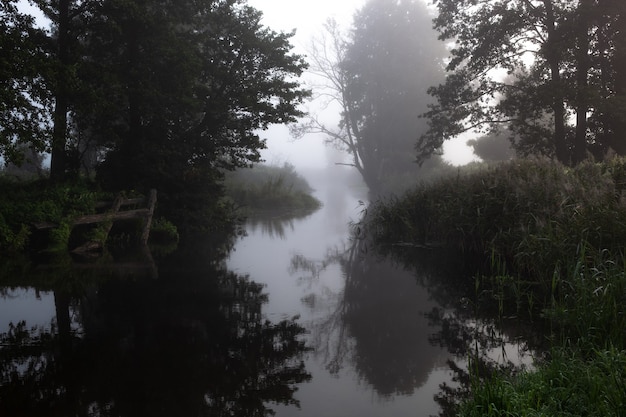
536 215
567 385
552 240
270 188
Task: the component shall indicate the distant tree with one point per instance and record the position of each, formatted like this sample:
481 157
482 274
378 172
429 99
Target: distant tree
29 167
563 57
379 74
492 148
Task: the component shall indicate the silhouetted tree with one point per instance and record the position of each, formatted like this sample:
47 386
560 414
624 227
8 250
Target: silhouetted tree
195 82
563 57
167 95
492 147
378 74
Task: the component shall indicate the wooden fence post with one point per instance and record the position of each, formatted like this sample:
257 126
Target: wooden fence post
145 234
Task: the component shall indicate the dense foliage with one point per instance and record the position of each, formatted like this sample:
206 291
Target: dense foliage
157 95
518 210
562 58
24 205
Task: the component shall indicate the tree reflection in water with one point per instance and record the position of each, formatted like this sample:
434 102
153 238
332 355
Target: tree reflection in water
376 323
405 312
484 328
274 225
190 343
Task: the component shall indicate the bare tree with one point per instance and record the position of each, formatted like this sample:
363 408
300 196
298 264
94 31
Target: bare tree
327 53
378 74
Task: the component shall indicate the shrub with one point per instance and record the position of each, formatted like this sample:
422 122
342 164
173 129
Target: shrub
266 188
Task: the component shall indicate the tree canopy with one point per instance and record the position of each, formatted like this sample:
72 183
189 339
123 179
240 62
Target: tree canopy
161 94
563 94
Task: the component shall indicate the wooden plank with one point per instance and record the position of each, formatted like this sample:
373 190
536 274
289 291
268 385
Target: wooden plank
120 215
94 245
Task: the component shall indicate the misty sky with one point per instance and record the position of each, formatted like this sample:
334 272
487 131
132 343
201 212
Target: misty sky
307 17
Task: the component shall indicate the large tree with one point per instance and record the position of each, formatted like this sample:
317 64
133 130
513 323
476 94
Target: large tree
378 74
168 93
192 83
561 60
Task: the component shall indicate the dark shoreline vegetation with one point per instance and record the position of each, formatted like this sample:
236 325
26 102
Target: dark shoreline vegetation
552 239
259 192
26 205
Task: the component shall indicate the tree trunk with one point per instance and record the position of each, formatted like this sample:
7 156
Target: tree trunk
619 125
59 133
583 64
558 106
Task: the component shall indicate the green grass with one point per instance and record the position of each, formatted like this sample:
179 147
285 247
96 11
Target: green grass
23 204
266 188
566 385
536 215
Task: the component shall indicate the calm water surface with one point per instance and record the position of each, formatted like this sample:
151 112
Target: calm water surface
372 355
299 320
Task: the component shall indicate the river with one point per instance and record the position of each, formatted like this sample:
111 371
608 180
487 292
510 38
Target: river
298 319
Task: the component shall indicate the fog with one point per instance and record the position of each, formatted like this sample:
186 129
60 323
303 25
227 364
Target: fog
307 19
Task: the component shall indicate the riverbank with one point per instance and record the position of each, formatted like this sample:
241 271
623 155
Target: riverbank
552 239
39 216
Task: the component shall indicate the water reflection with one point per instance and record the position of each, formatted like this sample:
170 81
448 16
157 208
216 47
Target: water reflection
377 322
480 325
275 226
403 314
192 342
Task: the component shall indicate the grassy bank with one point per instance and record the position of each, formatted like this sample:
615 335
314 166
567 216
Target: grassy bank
266 189
558 234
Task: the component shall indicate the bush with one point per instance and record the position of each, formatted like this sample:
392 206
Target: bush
266 188
23 204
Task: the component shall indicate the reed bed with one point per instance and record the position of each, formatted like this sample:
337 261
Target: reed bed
559 234
537 216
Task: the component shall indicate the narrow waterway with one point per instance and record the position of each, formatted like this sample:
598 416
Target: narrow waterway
298 320
376 348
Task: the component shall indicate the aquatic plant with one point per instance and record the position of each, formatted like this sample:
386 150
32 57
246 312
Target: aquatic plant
535 214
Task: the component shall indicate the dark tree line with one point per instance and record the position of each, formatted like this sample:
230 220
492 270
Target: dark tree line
158 93
564 94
